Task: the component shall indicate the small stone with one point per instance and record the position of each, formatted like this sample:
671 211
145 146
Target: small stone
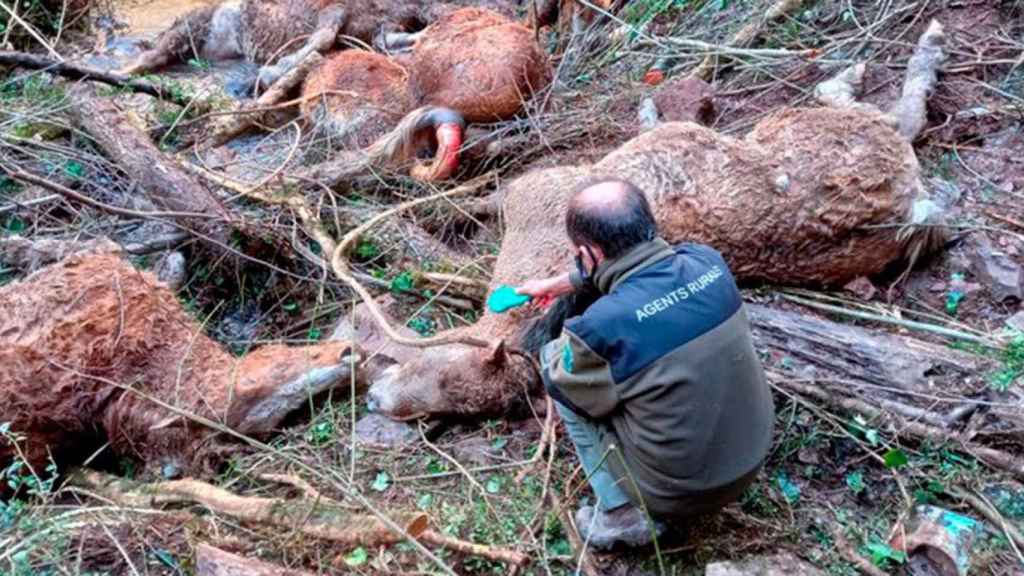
861 287
783 564
474 450
170 269
379 430
1016 321
808 455
1000 273
647 114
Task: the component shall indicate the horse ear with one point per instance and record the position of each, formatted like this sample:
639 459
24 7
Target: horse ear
497 356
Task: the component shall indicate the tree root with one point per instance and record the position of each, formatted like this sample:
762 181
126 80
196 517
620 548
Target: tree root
78 72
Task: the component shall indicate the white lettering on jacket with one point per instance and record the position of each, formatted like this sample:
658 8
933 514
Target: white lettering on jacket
679 294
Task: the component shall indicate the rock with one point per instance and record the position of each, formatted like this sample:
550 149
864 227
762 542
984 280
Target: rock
686 99
782 564
647 114
861 287
1003 276
475 450
380 430
1016 321
170 269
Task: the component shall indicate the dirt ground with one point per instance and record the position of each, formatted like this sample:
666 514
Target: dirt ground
826 490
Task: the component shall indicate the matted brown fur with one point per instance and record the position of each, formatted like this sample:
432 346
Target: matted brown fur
75 335
811 196
472 60
365 93
479 63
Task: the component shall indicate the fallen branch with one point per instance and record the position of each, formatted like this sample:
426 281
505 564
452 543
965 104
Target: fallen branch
850 553
317 518
79 72
587 564
461 546
212 561
897 425
160 176
250 113
340 266
747 35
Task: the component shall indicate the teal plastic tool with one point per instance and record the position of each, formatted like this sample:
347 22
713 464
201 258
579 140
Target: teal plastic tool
505 298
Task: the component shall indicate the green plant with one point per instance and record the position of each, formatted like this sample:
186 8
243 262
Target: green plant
855 482
1013 364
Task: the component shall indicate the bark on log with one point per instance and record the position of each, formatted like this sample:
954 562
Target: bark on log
159 175
212 561
829 350
78 72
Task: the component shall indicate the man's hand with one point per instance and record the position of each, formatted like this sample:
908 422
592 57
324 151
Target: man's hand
544 291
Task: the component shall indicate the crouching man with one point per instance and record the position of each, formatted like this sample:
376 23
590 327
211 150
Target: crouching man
657 381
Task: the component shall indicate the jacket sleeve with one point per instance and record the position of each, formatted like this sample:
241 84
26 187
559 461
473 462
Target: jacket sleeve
578 377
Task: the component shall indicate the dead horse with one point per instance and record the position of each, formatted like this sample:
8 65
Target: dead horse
814 196
96 351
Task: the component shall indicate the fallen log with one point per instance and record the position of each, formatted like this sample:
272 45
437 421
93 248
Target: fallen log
160 176
79 72
212 561
863 359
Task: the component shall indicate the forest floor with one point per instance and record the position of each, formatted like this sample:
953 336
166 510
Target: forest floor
837 484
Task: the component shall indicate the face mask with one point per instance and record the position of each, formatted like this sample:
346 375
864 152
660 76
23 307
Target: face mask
581 268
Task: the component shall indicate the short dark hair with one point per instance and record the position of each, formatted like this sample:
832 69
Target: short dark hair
614 227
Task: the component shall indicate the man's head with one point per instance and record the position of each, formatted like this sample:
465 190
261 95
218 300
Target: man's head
606 218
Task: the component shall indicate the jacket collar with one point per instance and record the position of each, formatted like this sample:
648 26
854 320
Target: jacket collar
611 273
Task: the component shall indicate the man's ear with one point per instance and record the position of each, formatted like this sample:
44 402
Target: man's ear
497 356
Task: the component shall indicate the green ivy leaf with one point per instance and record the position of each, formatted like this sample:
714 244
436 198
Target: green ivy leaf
402 283
855 481
381 483
357 557
881 553
493 485
895 458
790 491
425 501
872 436
499 443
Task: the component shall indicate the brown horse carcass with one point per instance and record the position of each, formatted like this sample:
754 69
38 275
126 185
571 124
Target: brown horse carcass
95 351
471 65
816 196
277 34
